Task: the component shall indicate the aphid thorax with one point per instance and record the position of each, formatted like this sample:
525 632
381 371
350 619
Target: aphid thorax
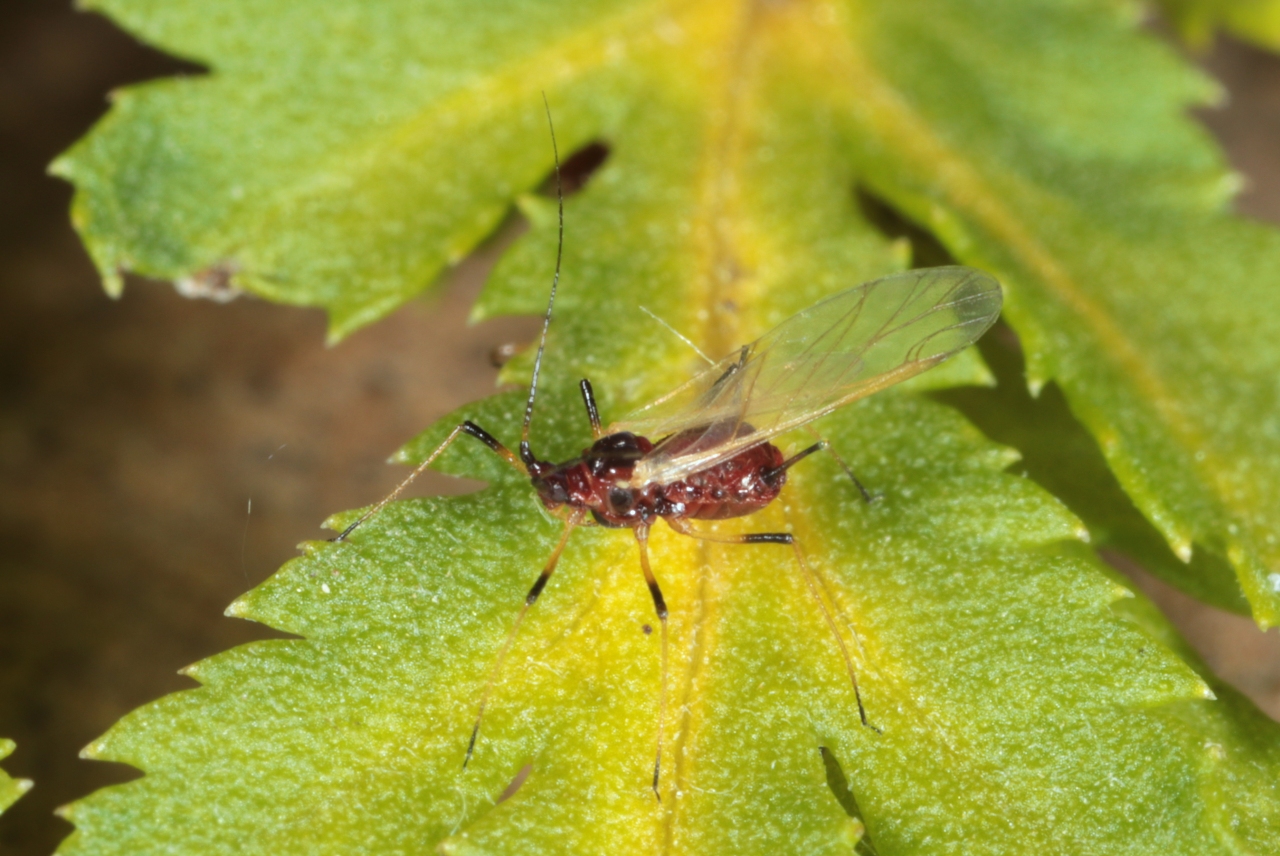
600 481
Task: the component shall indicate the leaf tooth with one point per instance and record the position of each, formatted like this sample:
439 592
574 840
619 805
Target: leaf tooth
1007 456
1120 592
1232 184
95 750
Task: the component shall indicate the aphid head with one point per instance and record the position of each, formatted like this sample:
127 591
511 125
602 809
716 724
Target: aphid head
549 482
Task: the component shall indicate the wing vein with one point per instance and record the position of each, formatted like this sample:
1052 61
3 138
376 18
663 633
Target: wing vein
850 345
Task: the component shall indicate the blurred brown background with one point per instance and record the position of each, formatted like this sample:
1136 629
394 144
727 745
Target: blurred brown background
135 435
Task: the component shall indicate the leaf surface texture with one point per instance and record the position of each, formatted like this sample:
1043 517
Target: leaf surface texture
342 155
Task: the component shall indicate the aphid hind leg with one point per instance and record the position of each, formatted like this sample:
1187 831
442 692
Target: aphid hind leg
770 475
469 428
811 582
659 607
822 443
593 413
530 599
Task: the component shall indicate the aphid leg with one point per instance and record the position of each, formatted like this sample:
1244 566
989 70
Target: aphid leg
770 475
593 413
469 428
866 494
733 369
810 579
530 599
660 607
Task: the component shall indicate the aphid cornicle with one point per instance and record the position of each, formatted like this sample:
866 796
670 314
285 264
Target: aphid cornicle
713 457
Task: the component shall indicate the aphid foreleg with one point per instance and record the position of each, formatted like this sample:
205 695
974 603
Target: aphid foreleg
530 599
593 413
810 579
660 607
469 428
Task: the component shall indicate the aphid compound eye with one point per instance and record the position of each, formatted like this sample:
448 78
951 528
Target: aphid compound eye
621 499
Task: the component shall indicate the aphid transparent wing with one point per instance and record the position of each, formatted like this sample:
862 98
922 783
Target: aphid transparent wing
836 351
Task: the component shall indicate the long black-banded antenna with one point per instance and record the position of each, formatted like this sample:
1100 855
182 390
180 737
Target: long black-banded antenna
525 454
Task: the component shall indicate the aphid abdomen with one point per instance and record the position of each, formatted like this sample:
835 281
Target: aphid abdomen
732 488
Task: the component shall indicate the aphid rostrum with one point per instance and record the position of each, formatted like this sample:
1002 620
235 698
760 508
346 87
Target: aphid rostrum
705 450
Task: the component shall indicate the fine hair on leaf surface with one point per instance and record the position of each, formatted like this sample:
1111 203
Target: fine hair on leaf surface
745 160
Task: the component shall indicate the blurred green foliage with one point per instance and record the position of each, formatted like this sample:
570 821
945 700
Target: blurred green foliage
10 789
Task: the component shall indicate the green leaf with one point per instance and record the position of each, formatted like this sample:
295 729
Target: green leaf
1257 21
1021 705
1017 709
10 789
368 164
1241 743
342 156
1126 284
1062 457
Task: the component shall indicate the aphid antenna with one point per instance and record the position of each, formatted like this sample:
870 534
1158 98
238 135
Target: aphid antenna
526 455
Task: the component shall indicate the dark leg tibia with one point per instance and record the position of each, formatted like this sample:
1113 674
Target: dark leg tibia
811 581
547 570
659 603
767 538
538 586
471 429
684 528
660 607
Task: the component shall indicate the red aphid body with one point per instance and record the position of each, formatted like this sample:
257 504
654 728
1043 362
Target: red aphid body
598 482
713 458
